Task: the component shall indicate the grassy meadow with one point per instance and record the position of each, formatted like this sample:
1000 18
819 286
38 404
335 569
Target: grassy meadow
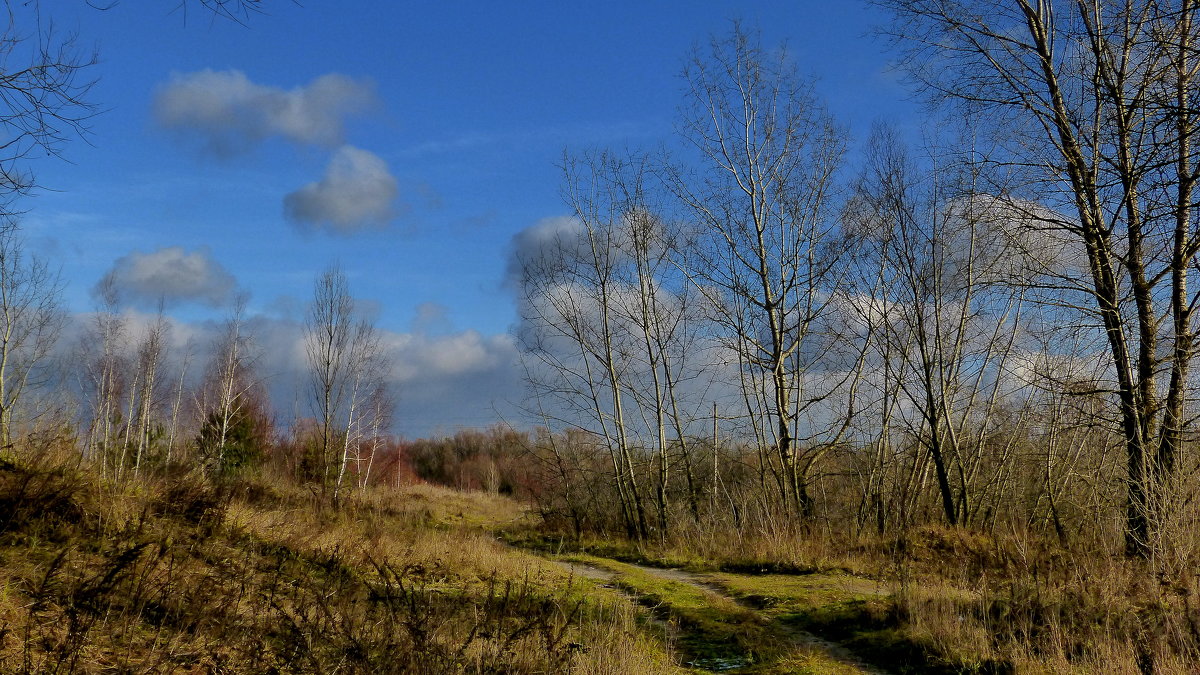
179 572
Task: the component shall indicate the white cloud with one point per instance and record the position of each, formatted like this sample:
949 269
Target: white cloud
464 379
357 191
443 381
546 242
418 357
172 275
231 114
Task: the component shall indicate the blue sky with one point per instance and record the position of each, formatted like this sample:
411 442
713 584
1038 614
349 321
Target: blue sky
455 113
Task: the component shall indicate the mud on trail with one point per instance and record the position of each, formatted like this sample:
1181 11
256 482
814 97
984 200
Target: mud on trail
746 624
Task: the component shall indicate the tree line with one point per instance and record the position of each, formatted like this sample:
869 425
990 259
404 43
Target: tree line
135 401
989 327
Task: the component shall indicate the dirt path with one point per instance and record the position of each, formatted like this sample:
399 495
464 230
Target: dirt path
799 638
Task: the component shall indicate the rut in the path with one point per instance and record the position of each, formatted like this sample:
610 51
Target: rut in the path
798 637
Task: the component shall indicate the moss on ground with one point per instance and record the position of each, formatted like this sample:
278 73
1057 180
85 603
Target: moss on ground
737 623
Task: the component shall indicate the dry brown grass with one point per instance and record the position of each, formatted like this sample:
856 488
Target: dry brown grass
1042 608
967 601
183 574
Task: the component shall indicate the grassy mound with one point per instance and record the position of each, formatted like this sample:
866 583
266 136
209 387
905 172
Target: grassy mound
187 574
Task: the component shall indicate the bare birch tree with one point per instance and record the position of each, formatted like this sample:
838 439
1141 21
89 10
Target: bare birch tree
107 333
228 393
381 406
149 359
577 353
763 194
366 374
327 344
651 311
663 318
946 317
345 363
177 403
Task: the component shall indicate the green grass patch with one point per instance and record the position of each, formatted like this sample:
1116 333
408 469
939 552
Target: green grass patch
620 550
857 613
714 632
799 592
744 624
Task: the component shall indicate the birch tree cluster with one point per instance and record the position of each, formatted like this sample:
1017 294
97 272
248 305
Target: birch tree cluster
989 325
149 402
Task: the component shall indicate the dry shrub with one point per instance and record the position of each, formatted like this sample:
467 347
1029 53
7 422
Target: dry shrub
1040 607
193 498
42 497
408 620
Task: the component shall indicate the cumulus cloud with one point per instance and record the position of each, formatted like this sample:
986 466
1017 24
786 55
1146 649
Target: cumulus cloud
231 114
462 379
169 274
357 191
544 242
419 357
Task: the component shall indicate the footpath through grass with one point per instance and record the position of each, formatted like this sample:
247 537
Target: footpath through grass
750 614
186 574
719 629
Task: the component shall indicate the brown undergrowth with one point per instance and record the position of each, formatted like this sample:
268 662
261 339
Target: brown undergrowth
183 574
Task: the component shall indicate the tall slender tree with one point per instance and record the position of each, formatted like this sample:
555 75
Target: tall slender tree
345 361
763 194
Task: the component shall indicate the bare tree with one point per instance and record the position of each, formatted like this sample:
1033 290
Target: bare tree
43 95
234 10
345 363
177 404
1092 102
101 348
149 358
945 315
227 393
651 311
663 316
381 406
577 352
366 372
327 344
768 251
30 321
